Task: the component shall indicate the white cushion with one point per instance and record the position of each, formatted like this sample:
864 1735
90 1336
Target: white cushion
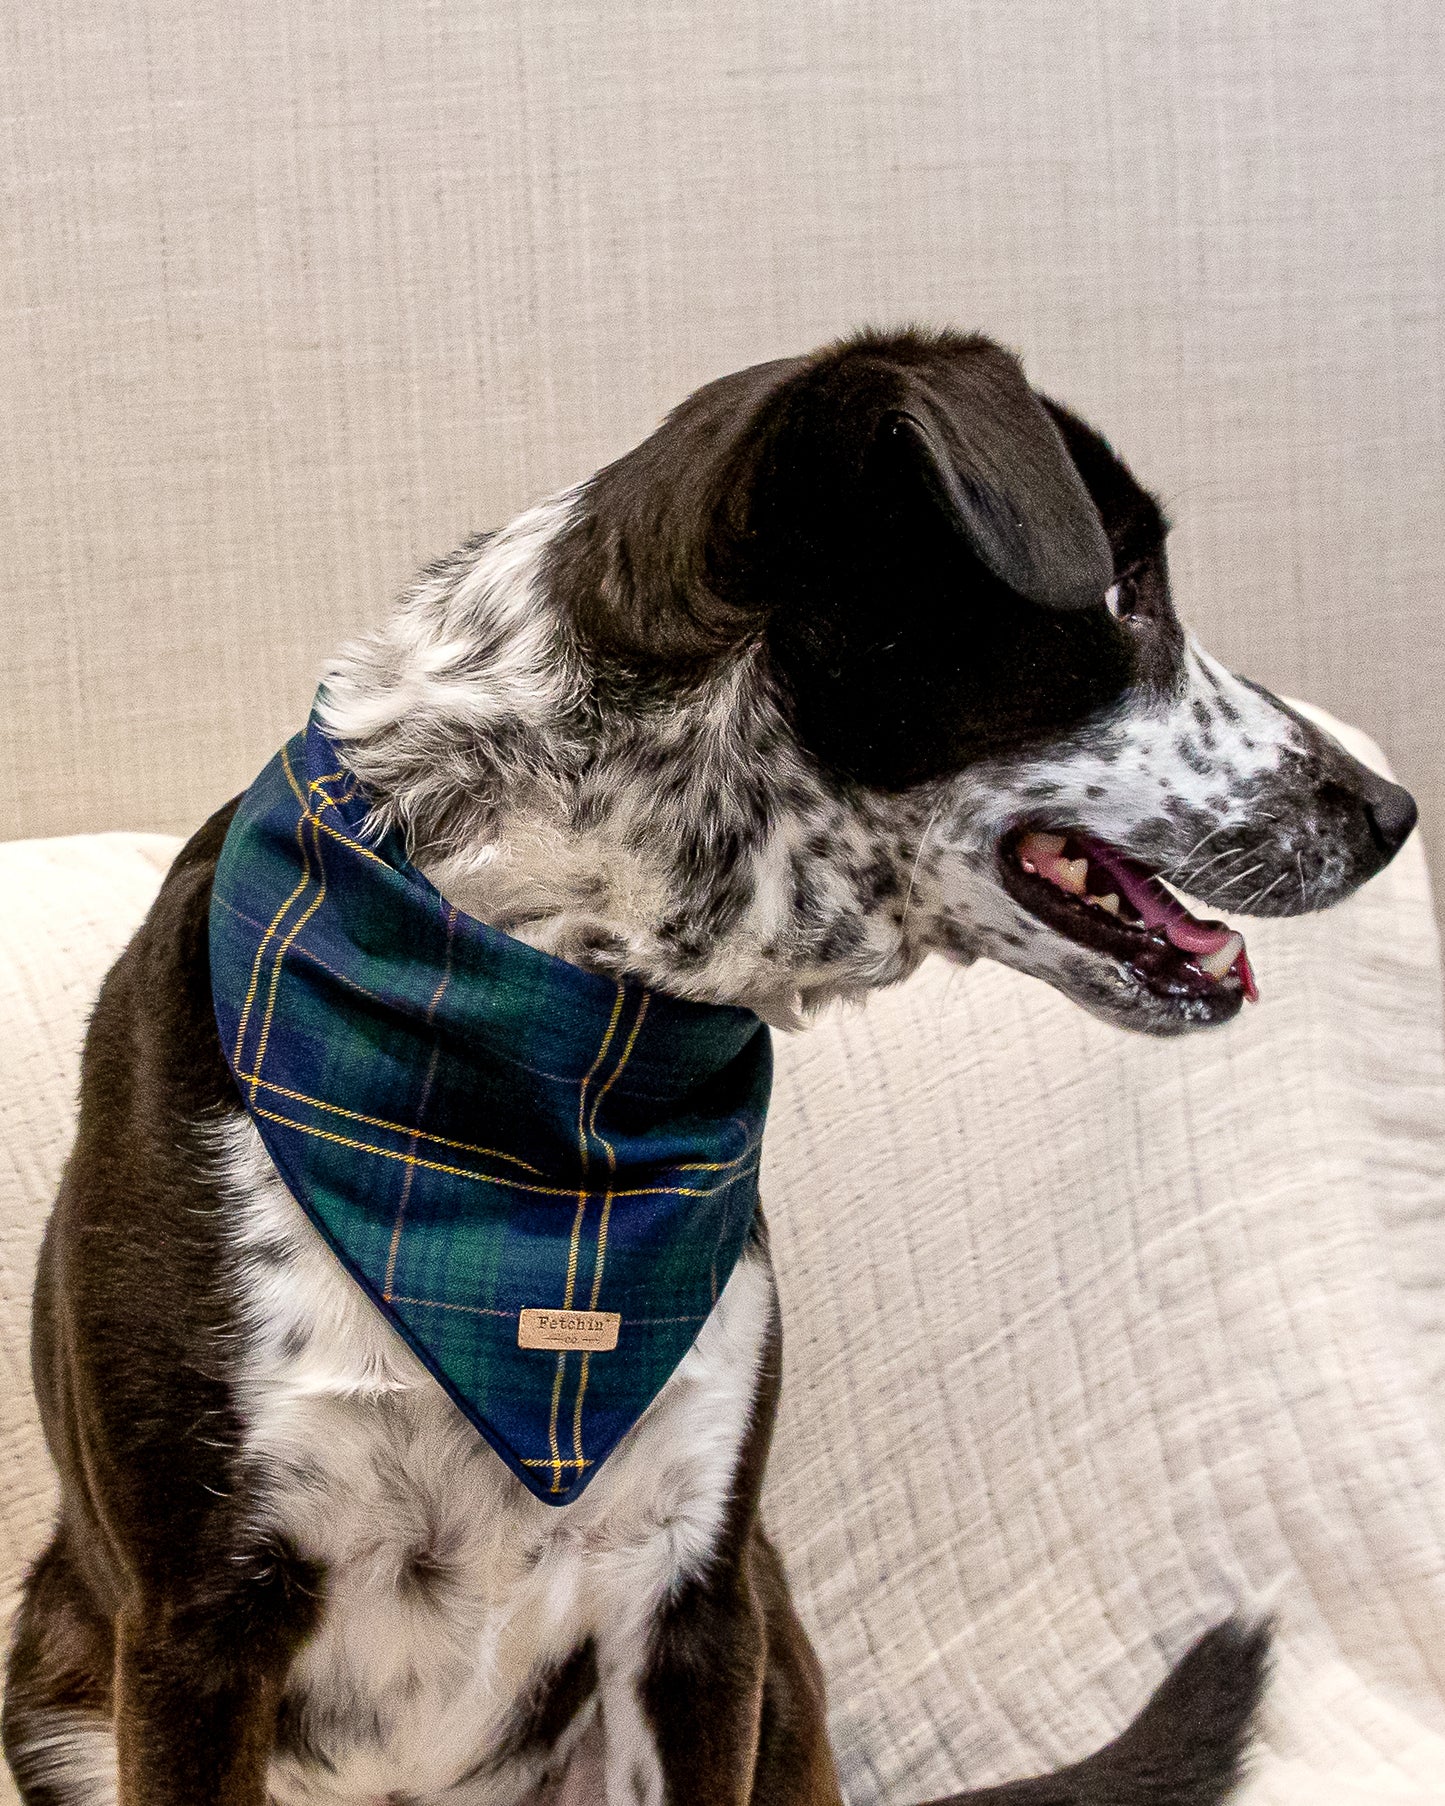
1089 1339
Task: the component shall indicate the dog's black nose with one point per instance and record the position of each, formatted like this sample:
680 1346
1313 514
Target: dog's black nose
1392 814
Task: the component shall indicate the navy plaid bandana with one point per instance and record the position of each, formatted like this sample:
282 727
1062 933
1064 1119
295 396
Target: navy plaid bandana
541 1177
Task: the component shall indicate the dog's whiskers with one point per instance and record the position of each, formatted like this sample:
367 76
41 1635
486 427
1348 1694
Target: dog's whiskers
1260 895
917 861
1182 864
1184 879
1240 877
1183 873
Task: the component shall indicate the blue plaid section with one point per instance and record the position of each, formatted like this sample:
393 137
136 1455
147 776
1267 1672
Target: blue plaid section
478 1128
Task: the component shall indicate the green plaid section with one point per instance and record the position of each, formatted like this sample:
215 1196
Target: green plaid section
477 1128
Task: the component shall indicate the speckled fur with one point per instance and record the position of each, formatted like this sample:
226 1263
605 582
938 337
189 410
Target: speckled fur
689 839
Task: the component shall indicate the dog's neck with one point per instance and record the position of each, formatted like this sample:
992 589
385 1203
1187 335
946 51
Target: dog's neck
677 838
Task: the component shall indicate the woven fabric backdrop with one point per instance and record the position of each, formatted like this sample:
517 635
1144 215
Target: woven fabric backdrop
293 295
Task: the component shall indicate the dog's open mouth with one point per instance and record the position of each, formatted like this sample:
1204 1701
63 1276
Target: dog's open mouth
1094 894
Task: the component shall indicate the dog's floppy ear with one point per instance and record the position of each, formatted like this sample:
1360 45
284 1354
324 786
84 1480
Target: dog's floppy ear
931 565
922 461
982 445
862 444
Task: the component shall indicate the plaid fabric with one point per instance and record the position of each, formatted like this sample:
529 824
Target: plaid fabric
476 1127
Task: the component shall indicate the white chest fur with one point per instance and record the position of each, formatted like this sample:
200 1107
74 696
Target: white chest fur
449 1589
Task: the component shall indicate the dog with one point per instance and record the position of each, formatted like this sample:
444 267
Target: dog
860 656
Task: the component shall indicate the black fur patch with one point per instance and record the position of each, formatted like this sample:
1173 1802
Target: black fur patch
920 544
555 1700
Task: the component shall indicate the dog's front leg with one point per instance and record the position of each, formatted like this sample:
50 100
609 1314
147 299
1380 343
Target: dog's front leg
735 1695
702 1695
197 1688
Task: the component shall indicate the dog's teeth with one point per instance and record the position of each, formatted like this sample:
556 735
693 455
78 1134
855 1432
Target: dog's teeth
1071 875
1217 964
1036 849
1111 903
1029 866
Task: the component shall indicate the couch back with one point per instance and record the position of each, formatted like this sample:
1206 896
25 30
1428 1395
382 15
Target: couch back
295 296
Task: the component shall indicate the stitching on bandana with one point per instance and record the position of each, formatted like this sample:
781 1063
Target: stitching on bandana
282 950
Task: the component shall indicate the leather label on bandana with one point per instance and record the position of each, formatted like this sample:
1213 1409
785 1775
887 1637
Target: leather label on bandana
592 1330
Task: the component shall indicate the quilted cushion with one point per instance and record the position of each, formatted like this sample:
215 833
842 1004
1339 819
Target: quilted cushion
1089 1339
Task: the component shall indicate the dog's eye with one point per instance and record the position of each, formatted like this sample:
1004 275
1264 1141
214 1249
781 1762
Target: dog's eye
1122 598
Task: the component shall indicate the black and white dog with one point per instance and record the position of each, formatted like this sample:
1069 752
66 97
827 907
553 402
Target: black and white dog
860 656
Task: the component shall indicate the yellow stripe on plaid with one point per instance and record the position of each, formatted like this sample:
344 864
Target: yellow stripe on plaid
601 1255
397 1128
345 839
445 1304
720 1166
572 1251
416 1134
307 814
280 914
507 1184
312 789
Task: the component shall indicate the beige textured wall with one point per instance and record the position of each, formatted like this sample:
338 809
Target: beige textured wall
291 295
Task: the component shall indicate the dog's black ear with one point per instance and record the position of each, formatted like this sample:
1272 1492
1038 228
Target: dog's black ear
996 465
931 564
866 442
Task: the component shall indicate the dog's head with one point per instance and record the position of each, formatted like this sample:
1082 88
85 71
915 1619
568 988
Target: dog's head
874 653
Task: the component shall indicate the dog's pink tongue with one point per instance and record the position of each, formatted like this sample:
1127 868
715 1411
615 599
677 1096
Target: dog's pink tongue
1158 907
